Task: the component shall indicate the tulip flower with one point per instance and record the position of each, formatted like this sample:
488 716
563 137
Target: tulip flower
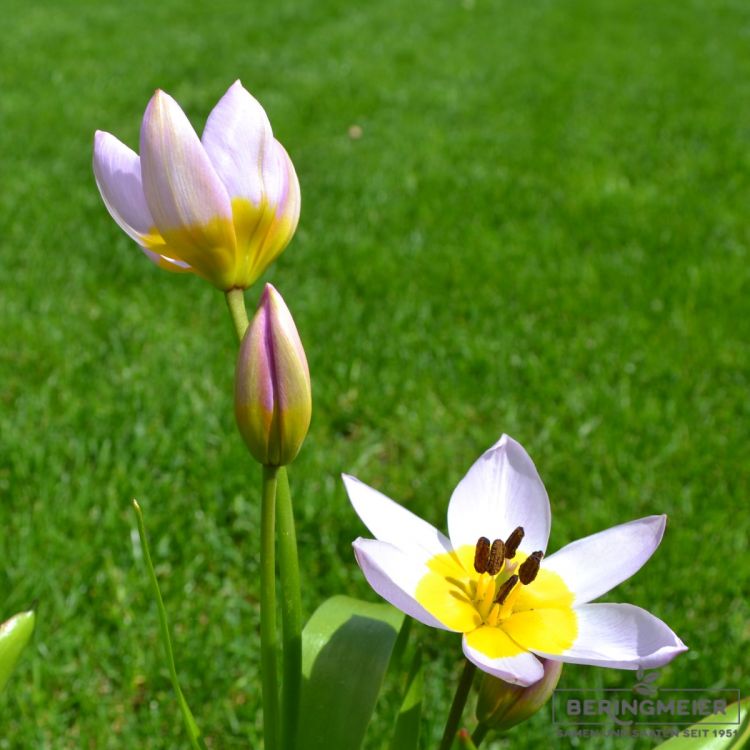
490 580
501 705
223 206
272 400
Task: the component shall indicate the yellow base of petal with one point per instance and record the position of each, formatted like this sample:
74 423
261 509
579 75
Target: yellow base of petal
538 616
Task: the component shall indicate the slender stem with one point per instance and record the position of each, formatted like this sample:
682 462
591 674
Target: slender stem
187 716
465 740
236 305
457 707
479 734
268 641
291 612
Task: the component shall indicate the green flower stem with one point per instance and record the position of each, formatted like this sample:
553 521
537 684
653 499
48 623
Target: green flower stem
236 305
465 741
457 707
291 612
479 734
268 641
187 716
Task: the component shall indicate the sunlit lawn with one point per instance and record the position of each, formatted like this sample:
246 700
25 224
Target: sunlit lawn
543 230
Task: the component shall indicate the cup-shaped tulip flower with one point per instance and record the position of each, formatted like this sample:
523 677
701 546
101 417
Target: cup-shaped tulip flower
223 206
490 579
272 398
501 705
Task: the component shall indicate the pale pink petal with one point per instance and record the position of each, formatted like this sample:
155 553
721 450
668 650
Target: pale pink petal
621 636
283 194
287 201
280 180
168 264
390 522
395 576
497 654
237 138
181 186
117 170
595 564
501 491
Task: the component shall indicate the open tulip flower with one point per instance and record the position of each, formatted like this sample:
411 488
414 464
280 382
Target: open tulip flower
492 582
223 206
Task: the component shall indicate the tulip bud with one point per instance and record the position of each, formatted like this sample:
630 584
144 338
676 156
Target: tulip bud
14 635
272 400
501 705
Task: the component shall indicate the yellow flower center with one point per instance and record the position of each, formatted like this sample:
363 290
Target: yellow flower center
537 615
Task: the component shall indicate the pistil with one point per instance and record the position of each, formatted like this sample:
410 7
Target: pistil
485 596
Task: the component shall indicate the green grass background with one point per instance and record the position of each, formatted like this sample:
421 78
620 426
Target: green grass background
543 231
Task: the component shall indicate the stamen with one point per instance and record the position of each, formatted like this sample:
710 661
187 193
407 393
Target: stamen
485 604
481 554
481 588
496 558
493 616
505 589
530 567
512 542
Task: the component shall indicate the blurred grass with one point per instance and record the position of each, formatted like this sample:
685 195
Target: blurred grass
542 230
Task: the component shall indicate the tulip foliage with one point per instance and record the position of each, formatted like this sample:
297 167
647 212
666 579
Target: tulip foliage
14 637
223 207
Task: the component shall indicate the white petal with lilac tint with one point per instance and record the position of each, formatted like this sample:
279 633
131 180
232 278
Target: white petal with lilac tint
595 564
168 264
286 199
279 176
497 654
117 170
621 636
501 491
237 137
390 522
283 195
395 576
181 186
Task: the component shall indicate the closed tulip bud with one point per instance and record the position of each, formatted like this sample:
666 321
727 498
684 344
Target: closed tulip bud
272 400
14 635
501 705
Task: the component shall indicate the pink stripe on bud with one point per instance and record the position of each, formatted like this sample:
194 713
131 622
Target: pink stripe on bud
273 402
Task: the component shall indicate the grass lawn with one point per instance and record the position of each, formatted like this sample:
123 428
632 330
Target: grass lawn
543 230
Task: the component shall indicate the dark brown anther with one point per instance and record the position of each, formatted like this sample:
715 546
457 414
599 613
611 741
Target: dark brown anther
481 554
505 589
512 542
530 567
497 557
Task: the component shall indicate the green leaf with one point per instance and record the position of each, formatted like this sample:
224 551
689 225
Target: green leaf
406 734
346 647
706 734
14 635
